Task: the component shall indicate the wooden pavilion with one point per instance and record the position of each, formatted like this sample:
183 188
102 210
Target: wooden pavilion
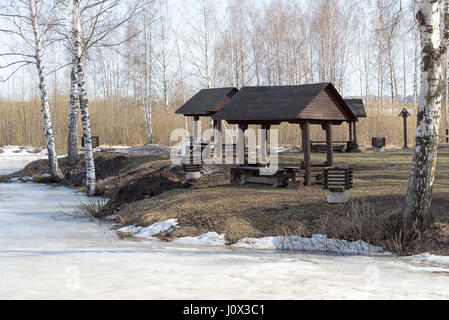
206 103
358 108
305 105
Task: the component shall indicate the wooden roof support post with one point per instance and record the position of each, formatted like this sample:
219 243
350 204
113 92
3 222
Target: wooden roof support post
219 140
264 143
329 144
214 130
350 132
196 129
241 158
268 142
307 154
355 133
302 137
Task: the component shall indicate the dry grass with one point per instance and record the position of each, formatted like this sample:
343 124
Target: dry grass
91 208
257 211
120 122
115 121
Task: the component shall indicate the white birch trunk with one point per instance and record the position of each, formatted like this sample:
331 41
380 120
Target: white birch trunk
72 138
84 103
147 81
55 171
416 215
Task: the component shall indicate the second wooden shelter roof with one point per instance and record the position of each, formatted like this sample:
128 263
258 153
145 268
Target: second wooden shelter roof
207 102
315 102
358 107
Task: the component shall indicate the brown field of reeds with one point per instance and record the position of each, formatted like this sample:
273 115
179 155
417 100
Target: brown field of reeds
121 122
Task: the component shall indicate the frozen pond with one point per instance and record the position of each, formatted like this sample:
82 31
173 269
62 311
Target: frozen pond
48 253
14 159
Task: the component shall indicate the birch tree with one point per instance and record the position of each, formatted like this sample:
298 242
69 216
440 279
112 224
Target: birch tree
146 72
164 57
433 21
201 43
77 52
22 20
90 27
93 23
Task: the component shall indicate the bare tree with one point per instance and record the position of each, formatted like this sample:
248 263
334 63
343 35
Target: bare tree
201 42
146 65
91 26
164 56
97 22
25 21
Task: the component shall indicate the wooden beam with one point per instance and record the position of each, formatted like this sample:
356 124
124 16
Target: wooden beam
329 145
307 154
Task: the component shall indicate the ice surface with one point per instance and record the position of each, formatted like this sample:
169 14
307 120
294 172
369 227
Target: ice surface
48 252
14 158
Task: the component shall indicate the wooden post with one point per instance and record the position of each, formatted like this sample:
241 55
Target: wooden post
355 134
350 132
241 158
307 154
268 141
214 130
405 134
219 141
196 121
405 114
302 137
329 144
263 144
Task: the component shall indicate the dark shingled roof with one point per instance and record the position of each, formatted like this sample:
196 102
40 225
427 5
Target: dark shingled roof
357 107
277 103
207 102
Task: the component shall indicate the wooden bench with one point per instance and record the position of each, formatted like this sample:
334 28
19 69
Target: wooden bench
297 174
321 147
260 175
192 162
192 167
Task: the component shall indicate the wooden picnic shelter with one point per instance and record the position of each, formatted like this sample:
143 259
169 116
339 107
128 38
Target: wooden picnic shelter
206 103
304 105
358 108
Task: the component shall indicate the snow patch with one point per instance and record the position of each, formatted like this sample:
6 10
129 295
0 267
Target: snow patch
318 243
21 151
21 180
151 231
431 259
152 149
207 239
